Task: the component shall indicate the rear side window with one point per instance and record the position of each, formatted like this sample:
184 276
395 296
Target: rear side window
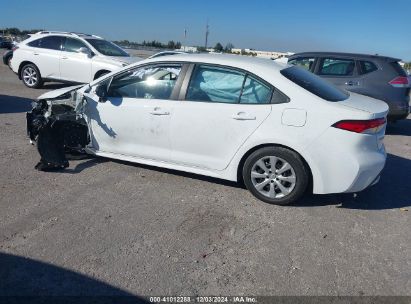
255 92
314 84
367 67
337 67
305 63
49 42
215 84
34 43
225 85
398 68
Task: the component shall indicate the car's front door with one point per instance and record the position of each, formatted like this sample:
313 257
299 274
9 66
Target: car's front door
135 118
342 72
75 65
222 107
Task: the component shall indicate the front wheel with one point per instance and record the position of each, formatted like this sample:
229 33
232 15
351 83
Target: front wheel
275 175
31 77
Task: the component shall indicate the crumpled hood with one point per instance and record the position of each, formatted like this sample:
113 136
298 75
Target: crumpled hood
59 92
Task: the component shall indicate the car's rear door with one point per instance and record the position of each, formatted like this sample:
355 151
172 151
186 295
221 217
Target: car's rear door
46 55
135 118
342 72
220 108
75 65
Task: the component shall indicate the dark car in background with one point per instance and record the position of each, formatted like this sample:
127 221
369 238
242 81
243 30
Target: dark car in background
5 44
376 76
7 56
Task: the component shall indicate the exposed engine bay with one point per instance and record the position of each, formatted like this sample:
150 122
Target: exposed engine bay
59 128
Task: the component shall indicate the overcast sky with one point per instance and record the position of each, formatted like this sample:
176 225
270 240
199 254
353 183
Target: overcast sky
378 26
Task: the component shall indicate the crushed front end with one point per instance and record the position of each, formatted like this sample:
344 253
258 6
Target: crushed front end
58 126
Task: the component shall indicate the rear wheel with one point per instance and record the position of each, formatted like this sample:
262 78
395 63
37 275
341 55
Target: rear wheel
275 175
30 75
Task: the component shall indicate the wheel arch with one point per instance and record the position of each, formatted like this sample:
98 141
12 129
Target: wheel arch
22 64
255 148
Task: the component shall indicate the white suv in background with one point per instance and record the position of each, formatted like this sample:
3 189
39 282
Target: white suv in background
66 57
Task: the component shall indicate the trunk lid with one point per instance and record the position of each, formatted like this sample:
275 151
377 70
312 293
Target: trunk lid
367 104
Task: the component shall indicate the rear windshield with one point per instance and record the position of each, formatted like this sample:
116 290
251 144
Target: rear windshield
314 84
398 68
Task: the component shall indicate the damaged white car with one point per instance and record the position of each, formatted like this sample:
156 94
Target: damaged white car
275 127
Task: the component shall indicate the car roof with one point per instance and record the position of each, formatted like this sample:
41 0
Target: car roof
66 34
344 55
242 62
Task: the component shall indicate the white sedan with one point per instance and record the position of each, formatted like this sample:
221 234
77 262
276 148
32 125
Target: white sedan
273 126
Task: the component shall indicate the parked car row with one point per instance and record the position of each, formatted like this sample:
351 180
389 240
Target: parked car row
379 77
5 44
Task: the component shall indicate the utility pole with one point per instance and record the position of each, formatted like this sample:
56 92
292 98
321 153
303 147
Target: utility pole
206 34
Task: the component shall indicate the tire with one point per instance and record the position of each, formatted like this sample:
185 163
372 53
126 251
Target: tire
9 62
31 77
282 186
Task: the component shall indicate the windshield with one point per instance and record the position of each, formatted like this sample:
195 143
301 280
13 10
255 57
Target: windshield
107 48
314 84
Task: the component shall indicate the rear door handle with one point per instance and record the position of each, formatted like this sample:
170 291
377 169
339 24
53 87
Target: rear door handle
158 111
352 83
64 57
243 116
36 54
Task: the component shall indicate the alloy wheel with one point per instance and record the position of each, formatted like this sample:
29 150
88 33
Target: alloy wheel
30 76
273 177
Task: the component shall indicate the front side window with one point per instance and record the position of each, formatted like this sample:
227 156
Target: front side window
107 48
152 82
305 63
337 67
314 84
51 42
216 84
73 45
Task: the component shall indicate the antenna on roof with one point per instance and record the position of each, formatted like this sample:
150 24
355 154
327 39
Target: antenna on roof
206 34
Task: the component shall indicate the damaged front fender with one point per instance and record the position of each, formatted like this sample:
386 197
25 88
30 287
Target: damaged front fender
57 123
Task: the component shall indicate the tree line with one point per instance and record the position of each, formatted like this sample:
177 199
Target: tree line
13 31
154 43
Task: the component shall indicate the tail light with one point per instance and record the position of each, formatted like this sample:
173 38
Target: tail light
14 48
399 82
361 126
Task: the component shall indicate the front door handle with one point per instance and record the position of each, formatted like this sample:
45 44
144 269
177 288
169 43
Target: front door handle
36 54
243 116
158 111
64 57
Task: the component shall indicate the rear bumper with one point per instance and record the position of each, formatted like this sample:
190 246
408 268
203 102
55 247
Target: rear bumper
345 162
398 110
369 171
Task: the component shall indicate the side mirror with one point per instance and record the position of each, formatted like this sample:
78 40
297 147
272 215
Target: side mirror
101 92
86 51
